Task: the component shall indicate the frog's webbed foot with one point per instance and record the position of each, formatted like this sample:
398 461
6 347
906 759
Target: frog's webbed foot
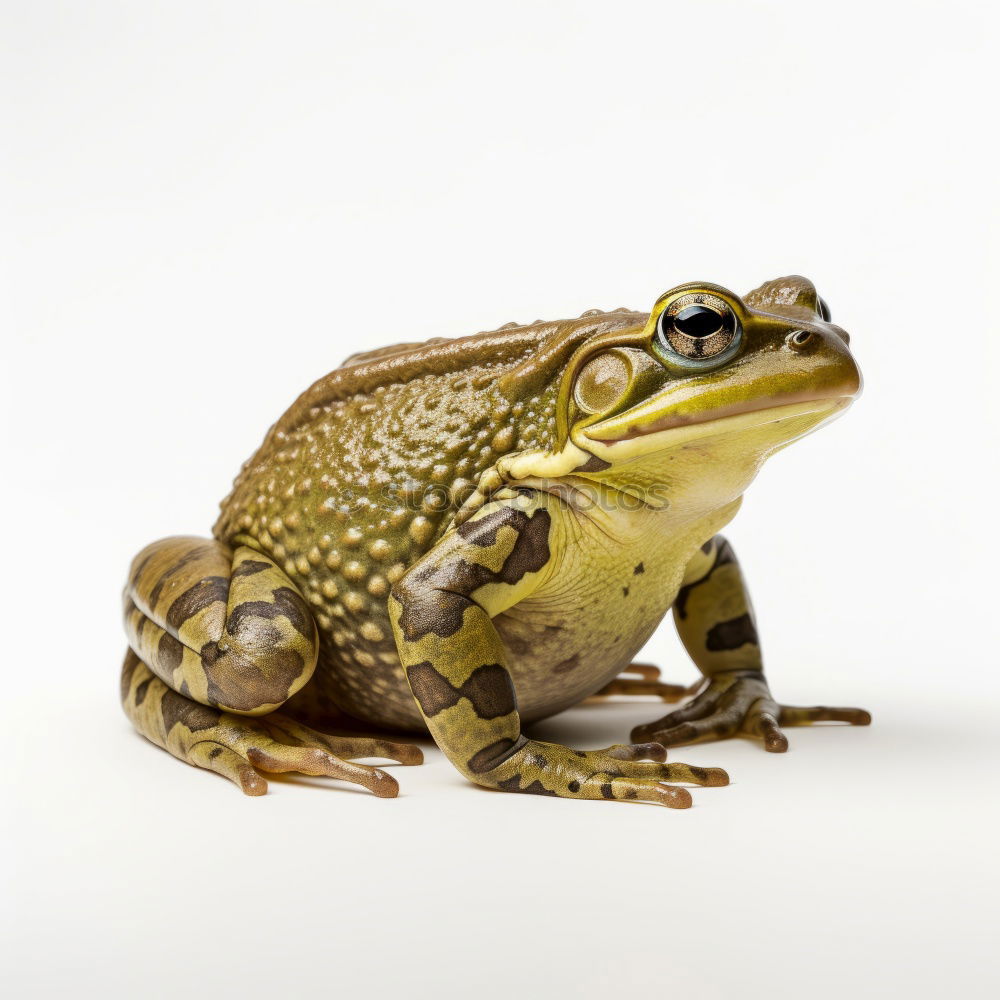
641 679
240 748
739 703
636 772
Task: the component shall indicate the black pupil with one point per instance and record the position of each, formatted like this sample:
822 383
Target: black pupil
697 321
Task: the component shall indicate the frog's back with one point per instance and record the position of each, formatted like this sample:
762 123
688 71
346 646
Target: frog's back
411 425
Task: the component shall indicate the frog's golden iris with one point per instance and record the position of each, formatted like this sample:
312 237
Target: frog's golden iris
698 327
466 535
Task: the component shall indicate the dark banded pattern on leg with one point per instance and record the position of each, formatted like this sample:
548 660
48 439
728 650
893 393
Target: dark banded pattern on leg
442 612
715 621
239 748
224 627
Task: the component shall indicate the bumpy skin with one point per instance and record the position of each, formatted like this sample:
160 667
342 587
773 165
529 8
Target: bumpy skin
461 536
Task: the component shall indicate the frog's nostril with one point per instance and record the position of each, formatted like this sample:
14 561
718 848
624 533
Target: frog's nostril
799 338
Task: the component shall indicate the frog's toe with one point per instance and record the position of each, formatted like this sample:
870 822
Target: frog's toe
641 679
638 751
228 763
792 715
347 747
279 758
713 777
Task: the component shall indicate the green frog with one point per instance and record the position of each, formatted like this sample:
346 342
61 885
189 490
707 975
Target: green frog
466 535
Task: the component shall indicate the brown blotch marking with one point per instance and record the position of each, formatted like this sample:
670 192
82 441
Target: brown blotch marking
624 591
565 666
284 603
488 688
495 754
214 752
639 568
194 600
210 652
128 671
594 464
531 552
169 653
724 555
731 634
251 566
607 791
517 644
434 598
537 788
174 708
574 786
192 555
138 571
140 692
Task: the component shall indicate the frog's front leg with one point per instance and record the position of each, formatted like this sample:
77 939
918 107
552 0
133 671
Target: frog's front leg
220 638
455 663
715 621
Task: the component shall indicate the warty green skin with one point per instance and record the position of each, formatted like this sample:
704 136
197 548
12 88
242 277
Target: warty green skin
461 536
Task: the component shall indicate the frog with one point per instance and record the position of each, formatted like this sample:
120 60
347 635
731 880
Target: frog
463 536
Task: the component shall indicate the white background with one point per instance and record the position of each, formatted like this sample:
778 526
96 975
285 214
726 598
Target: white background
207 205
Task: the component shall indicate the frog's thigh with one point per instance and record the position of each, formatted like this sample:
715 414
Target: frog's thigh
224 627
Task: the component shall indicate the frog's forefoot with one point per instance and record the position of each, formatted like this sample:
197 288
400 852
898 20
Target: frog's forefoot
739 703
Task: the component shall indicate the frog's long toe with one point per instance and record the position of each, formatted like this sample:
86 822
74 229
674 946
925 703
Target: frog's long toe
278 758
641 679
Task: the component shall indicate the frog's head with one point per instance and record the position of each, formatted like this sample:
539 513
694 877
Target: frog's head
709 374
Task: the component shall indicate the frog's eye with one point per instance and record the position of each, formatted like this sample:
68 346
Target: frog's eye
697 328
601 382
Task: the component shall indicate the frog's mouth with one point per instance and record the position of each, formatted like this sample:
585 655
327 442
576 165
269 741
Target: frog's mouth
644 420
632 434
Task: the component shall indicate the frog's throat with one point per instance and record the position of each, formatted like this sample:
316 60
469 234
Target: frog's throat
744 439
773 426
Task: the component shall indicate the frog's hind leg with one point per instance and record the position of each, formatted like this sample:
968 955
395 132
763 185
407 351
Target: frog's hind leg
238 747
220 639
638 680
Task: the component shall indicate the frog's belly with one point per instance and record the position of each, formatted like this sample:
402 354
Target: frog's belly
560 649
563 643
560 655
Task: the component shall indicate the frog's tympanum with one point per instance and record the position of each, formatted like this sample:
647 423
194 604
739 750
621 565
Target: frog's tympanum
464 536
